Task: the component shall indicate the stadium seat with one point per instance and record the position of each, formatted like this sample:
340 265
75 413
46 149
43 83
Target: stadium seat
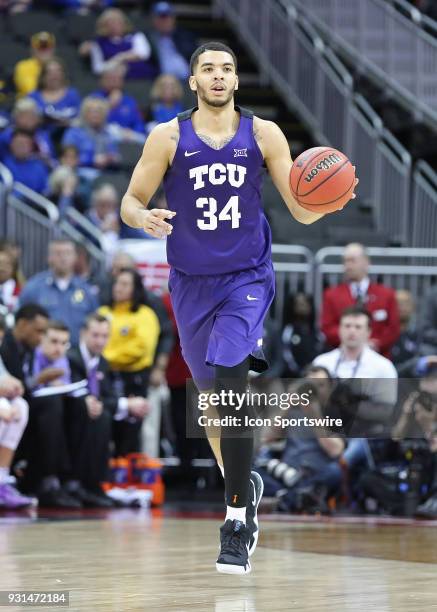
140 90
14 52
80 28
120 180
23 25
130 154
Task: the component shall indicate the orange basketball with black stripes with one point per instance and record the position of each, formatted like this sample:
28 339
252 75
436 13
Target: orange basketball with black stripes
322 179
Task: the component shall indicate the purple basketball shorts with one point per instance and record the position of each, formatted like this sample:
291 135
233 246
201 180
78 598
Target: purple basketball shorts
220 318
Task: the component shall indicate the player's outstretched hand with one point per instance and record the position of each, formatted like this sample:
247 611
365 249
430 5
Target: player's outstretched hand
154 223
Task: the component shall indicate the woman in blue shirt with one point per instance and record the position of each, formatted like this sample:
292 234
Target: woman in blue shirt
59 103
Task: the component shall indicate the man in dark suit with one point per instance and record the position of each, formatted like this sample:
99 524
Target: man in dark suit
89 418
377 299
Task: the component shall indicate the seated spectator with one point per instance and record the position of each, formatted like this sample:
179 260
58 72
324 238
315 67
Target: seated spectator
82 6
307 470
43 444
92 138
116 43
9 287
26 72
131 348
58 102
15 252
124 115
175 45
26 116
65 296
104 214
23 163
166 100
354 359
88 270
14 412
378 299
51 353
300 340
89 419
407 346
12 7
63 190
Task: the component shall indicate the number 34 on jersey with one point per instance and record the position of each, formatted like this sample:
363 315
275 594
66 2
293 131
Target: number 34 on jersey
218 174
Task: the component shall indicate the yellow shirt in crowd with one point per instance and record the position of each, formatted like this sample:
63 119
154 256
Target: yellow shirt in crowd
26 75
133 339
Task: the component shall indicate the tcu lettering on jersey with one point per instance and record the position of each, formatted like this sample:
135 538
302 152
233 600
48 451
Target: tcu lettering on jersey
218 174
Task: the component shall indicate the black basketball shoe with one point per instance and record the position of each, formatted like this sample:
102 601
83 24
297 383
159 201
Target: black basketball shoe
256 489
234 548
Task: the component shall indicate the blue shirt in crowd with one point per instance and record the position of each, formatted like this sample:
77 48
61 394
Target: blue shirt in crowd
42 139
89 143
70 305
31 172
126 113
65 109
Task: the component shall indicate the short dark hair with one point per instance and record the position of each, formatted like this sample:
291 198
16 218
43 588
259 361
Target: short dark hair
314 369
57 326
356 311
94 317
210 46
29 312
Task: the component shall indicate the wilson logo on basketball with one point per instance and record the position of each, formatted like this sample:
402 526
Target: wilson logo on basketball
323 164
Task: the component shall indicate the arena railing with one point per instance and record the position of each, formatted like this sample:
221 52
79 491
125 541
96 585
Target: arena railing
31 220
294 271
414 269
384 43
313 82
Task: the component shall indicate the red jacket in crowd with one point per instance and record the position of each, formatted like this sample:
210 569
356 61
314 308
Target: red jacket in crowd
380 302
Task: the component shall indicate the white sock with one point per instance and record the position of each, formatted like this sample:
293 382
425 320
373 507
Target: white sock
4 474
222 470
236 514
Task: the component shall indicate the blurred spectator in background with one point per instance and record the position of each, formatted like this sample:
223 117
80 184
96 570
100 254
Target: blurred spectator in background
15 251
120 261
300 340
131 349
64 190
166 100
14 412
90 419
175 46
58 102
116 43
406 347
92 138
9 286
379 301
26 72
124 113
12 7
428 323
82 6
22 161
306 470
104 214
65 296
26 116
86 269
51 353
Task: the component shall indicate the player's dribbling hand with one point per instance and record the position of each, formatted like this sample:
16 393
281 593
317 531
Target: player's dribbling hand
154 224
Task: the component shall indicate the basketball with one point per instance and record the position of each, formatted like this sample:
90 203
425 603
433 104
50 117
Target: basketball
322 179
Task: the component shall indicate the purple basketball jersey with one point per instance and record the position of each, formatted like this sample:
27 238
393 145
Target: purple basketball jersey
220 226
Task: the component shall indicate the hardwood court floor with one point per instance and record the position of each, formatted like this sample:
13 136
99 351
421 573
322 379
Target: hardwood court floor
142 561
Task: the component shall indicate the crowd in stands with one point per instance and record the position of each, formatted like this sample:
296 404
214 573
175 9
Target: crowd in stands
58 137
81 350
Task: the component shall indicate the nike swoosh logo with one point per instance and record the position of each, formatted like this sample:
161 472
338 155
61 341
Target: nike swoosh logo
251 299
190 154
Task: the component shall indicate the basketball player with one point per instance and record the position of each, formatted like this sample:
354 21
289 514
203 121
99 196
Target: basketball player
218 246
